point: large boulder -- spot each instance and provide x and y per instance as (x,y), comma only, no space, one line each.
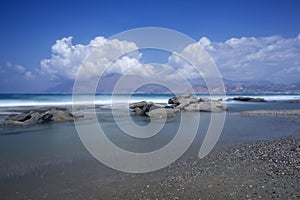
(40,116)
(184,99)
(28,118)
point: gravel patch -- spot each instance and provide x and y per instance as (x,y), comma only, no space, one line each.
(288,114)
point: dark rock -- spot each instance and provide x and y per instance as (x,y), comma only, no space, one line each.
(191,103)
(183,99)
(140,104)
(258,100)
(178,103)
(140,108)
(204,100)
(294,101)
(40,116)
(143,107)
(45,118)
(247,99)
(20,117)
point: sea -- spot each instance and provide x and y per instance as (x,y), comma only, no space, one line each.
(35,149)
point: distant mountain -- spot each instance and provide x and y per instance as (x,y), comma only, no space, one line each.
(65,87)
(107,85)
(246,83)
(270,88)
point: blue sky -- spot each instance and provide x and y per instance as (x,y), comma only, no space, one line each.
(28,29)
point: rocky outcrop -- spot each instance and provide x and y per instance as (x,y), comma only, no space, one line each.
(40,116)
(247,99)
(178,103)
(205,105)
(152,110)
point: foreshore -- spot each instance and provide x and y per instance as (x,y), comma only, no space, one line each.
(256,170)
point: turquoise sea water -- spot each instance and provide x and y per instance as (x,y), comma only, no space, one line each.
(11,100)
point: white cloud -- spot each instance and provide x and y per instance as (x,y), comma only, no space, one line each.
(8,64)
(250,58)
(271,58)
(11,69)
(193,62)
(131,66)
(29,75)
(66,58)
(19,68)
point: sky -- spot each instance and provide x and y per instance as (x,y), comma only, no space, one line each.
(42,43)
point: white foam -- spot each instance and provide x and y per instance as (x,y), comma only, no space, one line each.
(119,100)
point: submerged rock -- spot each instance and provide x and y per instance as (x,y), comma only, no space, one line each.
(162,113)
(247,99)
(213,106)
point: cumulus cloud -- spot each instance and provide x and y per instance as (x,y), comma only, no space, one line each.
(66,58)
(271,58)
